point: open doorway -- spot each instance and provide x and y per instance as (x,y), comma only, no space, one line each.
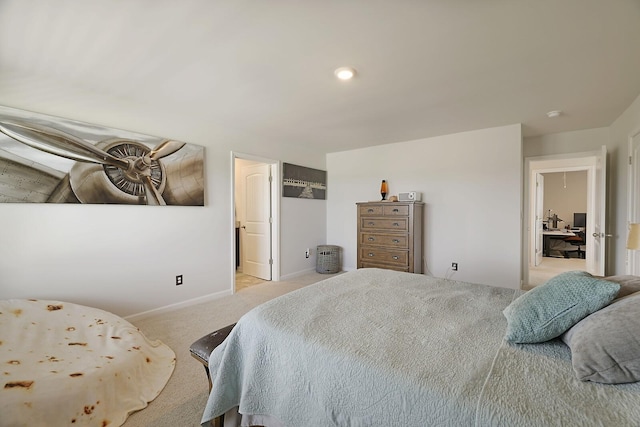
(561,208)
(255,217)
(543,220)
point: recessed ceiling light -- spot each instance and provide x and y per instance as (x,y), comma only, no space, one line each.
(345,73)
(554,114)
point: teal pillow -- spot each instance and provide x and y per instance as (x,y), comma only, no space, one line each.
(547,311)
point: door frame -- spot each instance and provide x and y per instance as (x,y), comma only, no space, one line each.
(538,218)
(557,163)
(275,213)
(632,264)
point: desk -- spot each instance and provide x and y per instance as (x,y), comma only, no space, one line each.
(548,235)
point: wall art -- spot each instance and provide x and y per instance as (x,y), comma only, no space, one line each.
(303,182)
(46,159)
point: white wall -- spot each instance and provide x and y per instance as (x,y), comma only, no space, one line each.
(565,193)
(567,142)
(471,183)
(305,222)
(124,259)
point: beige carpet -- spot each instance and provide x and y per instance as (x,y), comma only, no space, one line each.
(551,267)
(182,401)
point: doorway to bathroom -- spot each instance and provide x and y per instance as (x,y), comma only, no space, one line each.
(255,216)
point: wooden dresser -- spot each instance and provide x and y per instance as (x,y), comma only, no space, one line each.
(390,235)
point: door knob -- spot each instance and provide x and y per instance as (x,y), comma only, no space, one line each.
(602,235)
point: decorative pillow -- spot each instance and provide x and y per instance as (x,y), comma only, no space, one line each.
(548,310)
(628,284)
(605,346)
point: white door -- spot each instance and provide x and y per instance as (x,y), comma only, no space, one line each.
(597,239)
(539,217)
(633,257)
(256,229)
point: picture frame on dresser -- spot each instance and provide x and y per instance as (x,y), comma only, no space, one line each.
(390,235)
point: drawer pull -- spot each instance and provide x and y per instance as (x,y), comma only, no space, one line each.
(395,224)
(369,210)
(370,253)
(396,210)
(372,223)
(371,239)
(396,257)
(396,241)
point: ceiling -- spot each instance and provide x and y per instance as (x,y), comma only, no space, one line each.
(265,68)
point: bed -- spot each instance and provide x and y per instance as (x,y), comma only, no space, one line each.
(68,364)
(377,347)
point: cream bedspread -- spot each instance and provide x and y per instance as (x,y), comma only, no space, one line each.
(375,347)
(67,364)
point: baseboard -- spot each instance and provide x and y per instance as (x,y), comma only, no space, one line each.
(172,307)
(210,297)
(296,274)
(303,272)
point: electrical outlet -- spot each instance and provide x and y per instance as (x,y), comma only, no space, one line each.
(179,280)
(307,253)
(454,266)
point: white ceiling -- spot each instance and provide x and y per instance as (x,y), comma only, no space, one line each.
(265,68)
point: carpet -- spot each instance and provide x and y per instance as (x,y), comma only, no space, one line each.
(182,401)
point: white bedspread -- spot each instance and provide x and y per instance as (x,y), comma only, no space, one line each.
(376,347)
(66,364)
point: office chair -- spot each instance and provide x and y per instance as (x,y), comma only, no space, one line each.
(578,240)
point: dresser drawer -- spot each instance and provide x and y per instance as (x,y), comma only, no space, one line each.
(399,241)
(401,224)
(392,210)
(384,256)
(385,266)
(370,210)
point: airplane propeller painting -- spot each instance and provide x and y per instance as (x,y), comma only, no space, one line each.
(114,169)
